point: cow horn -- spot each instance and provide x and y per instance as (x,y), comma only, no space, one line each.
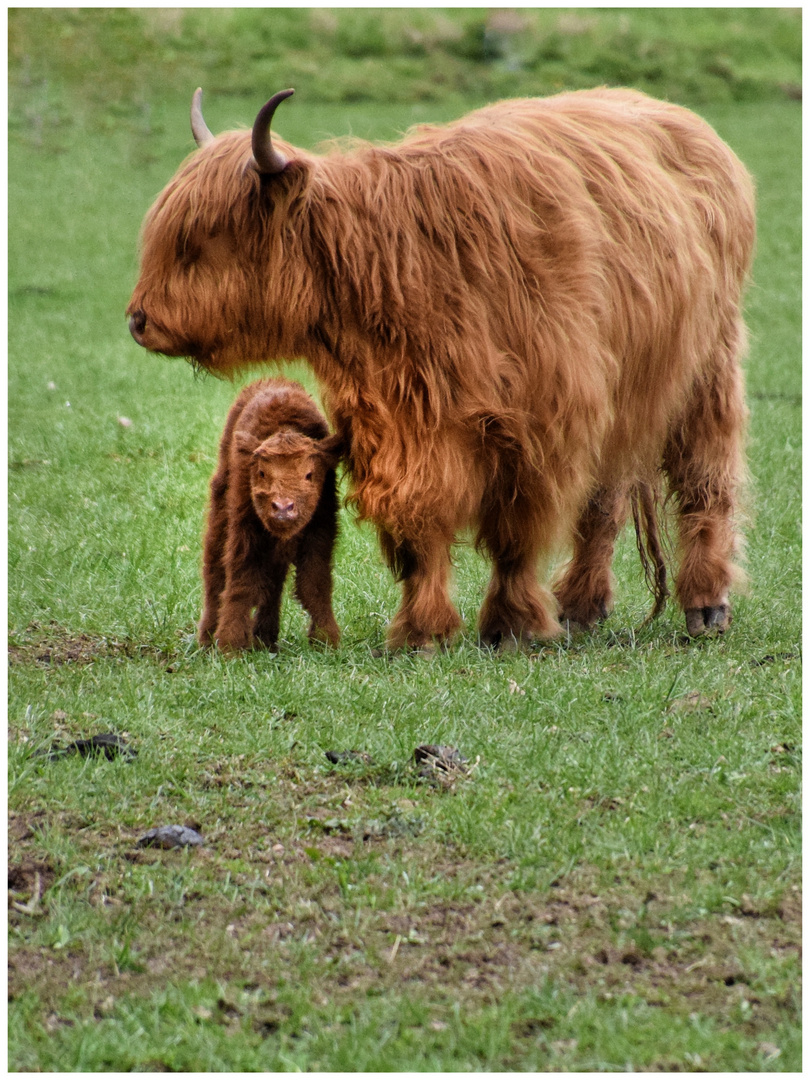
(199,128)
(268,160)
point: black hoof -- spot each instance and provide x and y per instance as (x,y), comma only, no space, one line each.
(708,620)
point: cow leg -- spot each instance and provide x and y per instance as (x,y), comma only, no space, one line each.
(213,567)
(426,616)
(516,609)
(313,586)
(704,461)
(585,593)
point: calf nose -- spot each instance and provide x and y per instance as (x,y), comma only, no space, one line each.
(137,324)
(283,508)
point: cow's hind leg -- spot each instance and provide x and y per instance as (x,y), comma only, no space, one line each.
(585,593)
(426,616)
(704,462)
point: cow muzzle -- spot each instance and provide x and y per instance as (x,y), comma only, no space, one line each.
(137,325)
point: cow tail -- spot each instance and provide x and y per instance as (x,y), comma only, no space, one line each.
(645,502)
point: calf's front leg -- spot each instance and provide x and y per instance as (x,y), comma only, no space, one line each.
(245,588)
(213,568)
(313,585)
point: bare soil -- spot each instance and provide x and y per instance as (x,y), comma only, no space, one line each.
(623,940)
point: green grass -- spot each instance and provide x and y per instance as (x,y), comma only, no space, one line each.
(615,885)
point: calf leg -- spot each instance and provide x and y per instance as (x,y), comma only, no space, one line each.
(585,594)
(426,615)
(213,568)
(246,586)
(268,609)
(313,586)
(704,462)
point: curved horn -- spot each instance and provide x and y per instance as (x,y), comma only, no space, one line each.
(199,128)
(268,160)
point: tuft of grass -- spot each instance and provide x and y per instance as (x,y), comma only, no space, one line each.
(615,882)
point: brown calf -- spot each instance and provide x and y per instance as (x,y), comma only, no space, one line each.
(273,504)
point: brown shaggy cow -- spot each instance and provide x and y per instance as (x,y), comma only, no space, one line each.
(273,505)
(518,319)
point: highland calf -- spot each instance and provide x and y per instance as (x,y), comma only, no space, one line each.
(273,505)
(520,321)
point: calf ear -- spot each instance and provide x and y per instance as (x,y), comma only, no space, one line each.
(332,449)
(244,442)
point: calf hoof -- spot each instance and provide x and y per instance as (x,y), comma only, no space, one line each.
(328,636)
(708,620)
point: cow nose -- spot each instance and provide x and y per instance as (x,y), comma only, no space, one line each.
(137,324)
(283,508)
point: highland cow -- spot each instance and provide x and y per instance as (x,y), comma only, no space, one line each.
(273,505)
(518,320)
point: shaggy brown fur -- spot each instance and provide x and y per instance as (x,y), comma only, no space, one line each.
(517,319)
(273,505)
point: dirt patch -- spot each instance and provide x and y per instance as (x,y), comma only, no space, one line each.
(285,904)
(52,645)
(263,897)
(28,880)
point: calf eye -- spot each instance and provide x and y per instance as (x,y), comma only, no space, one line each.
(261,474)
(308,476)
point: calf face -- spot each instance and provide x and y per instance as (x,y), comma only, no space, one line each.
(287,472)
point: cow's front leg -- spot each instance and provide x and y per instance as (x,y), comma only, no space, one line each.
(426,616)
(517,610)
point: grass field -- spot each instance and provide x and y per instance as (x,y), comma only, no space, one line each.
(615,883)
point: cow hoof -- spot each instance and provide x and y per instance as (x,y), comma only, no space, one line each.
(710,621)
(429,649)
(506,642)
(515,643)
(584,620)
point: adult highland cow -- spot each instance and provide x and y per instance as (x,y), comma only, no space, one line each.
(517,319)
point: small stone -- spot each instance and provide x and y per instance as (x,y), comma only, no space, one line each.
(171,836)
(439,757)
(691,702)
(349,757)
(124,421)
(109,744)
